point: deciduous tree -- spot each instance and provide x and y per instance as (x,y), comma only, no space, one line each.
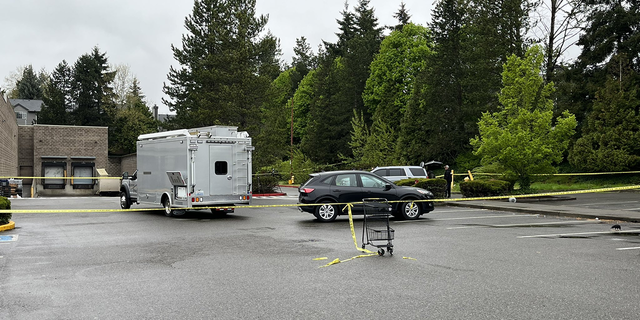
(522,136)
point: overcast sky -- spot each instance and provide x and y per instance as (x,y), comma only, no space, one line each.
(139,33)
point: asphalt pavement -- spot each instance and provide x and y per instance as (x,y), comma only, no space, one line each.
(620,206)
(617,205)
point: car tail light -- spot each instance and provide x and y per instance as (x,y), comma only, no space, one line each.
(307,190)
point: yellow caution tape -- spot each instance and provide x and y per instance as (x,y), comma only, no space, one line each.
(348,206)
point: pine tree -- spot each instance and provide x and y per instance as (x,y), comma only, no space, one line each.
(129,122)
(403,17)
(94,97)
(611,137)
(58,97)
(226,66)
(29,87)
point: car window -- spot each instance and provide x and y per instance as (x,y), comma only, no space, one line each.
(346,180)
(418,172)
(326,180)
(371,181)
(396,172)
(381,172)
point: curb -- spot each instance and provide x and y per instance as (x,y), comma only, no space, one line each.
(9,226)
(612,215)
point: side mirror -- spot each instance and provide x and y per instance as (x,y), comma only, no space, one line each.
(387,187)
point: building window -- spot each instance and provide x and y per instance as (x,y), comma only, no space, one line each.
(51,171)
(21,115)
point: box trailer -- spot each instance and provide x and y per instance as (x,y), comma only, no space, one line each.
(190,168)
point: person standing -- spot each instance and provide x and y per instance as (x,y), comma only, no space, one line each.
(449,178)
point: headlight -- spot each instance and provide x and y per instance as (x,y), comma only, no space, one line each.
(426,192)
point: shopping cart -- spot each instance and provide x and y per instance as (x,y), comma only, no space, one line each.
(375,229)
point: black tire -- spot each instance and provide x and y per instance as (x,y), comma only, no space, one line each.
(167,207)
(326,212)
(410,210)
(125,202)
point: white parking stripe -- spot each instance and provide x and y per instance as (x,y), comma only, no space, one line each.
(522,224)
(601,203)
(629,248)
(578,233)
(482,217)
(463,210)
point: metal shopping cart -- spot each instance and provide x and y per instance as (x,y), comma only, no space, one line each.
(375,229)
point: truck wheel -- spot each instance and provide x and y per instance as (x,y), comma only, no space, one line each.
(125,203)
(167,207)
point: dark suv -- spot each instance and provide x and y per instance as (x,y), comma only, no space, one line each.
(353,186)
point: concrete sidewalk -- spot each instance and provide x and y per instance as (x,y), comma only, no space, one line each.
(620,206)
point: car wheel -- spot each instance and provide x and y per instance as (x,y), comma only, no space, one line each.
(410,210)
(124,200)
(167,207)
(326,212)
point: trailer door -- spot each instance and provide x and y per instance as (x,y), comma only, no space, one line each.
(221,180)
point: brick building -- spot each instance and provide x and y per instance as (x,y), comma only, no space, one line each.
(61,151)
(8,139)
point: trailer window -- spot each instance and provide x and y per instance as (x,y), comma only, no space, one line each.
(220,167)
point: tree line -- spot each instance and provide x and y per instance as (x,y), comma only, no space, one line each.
(485,83)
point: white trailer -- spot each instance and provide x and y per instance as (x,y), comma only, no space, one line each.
(190,168)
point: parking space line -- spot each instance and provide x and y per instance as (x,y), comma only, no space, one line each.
(629,248)
(482,217)
(578,233)
(462,210)
(600,203)
(522,224)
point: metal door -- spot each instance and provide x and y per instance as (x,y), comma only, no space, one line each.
(221,164)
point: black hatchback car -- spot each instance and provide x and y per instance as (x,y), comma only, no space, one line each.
(353,186)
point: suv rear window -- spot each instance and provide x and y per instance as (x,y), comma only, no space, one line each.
(418,172)
(381,172)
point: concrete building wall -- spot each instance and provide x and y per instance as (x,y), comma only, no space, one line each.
(8,140)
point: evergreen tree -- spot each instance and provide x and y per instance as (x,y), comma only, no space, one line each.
(226,66)
(94,97)
(58,98)
(273,139)
(402,57)
(610,37)
(326,139)
(403,16)
(29,87)
(129,122)
(611,137)
(304,60)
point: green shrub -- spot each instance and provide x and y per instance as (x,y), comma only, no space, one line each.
(265,183)
(484,188)
(436,186)
(406,182)
(5,204)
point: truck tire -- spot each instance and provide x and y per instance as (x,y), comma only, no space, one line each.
(167,207)
(125,202)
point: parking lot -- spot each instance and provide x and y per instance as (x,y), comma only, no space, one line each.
(453,263)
